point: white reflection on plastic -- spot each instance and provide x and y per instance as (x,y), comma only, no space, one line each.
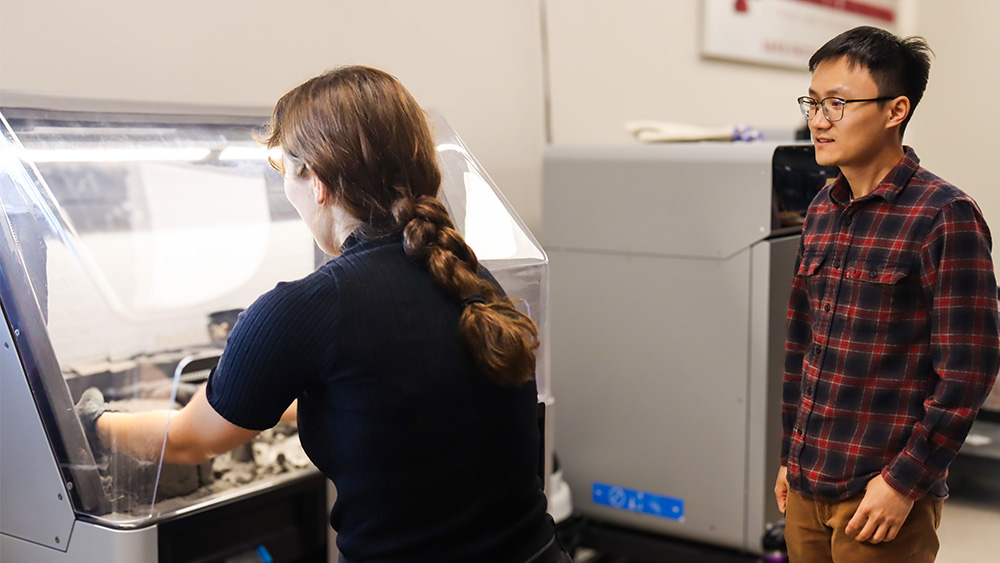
(116,155)
(248,153)
(477,208)
(192,252)
(488,228)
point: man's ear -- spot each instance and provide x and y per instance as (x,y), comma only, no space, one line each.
(899,109)
(319,190)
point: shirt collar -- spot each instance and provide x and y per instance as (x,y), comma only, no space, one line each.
(352,240)
(890,186)
(358,240)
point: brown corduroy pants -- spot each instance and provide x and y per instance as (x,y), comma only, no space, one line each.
(814,532)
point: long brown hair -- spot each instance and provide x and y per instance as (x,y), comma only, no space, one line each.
(366,139)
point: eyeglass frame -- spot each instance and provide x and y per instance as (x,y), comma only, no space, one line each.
(822,104)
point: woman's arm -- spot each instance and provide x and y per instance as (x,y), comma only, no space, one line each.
(291,414)
(196,433)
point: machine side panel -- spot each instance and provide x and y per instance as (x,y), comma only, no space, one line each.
(35,505)
(663,193)
(90,544)
(773,261)
(649,363)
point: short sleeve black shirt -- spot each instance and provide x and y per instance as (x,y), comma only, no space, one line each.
(432,461)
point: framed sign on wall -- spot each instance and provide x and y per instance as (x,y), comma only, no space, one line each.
(785,32)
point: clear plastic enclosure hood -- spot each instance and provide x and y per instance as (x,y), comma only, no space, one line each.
(130,241)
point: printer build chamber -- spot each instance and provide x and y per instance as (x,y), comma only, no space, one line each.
(129,243)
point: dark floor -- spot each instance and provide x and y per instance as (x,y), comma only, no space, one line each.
(586,555)
(611,544)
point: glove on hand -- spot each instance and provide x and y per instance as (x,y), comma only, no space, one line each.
(89,408)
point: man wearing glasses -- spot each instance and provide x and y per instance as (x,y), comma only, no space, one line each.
(892,342)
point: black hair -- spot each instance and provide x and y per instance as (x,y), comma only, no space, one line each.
(899,66)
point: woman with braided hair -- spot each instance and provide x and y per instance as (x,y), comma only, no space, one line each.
(411,372)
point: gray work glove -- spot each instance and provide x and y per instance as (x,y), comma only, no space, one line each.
(89,408)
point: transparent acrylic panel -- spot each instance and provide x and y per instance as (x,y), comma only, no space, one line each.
(493,229)
(26,226)
(137,238)
(155,231)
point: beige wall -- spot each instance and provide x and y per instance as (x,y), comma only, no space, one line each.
(952,128)
(478,62)
(613,62)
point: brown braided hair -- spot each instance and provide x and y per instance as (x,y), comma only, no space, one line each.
(366,139)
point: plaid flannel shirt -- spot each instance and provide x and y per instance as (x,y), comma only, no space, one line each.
(892,341)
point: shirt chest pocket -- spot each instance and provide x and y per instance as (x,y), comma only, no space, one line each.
(815,273)
(882,295)
(881,273)
(811,264)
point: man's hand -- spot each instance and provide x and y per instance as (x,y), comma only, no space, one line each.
(781,488)
(881,513)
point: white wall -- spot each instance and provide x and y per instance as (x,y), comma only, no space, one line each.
(478,62)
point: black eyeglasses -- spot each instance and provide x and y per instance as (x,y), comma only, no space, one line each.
(833,108)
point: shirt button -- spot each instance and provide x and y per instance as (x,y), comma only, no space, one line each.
(827,308)
(873,274)
(836,264)
(798,431)
(816,350)
(847,221)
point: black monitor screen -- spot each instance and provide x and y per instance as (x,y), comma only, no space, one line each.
(795,181)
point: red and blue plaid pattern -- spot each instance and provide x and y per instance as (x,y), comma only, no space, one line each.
(893,340)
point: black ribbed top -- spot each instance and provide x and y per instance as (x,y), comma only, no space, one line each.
(432,462)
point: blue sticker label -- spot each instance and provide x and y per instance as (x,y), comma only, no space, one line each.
(264,554)
(638,501)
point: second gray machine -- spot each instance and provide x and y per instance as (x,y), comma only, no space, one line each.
(671,267)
